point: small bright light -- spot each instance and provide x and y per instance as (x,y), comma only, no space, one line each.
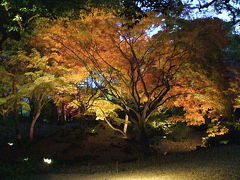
(26,159)
(10,144)
(164,137)
(47,160)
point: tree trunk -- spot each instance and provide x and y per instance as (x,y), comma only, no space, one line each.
(15,111)
(115,129)
(143,137)
(31,133)
(32,109)
(64,118)
(125,124)
(21,113)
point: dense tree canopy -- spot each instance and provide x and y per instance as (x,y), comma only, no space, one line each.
(142,74)
(105,61)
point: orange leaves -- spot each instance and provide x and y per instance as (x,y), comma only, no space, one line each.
(139,72)
(49,40)
(217,129)
(202,77)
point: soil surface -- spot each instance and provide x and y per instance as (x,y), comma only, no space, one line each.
(72,143)
(218,163)
(96,153)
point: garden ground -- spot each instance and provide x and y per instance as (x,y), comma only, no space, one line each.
(103,155)
(218,163)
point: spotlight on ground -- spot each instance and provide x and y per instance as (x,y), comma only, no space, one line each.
(25,159)
(47,160)
(10,144)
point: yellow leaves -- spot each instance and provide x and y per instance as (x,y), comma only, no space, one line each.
(237,102)
(39,79)
(44,79)
(217,130)
(4,100)
(193,118)
(34,60)
(104,109)
(77,77)
(144,98)
(74,104)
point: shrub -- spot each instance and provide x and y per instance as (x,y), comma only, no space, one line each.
(179,131)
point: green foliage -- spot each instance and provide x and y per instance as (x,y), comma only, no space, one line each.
(17,16)
(180,131)
(38,79)
(160,126)
(173,130)
(160,119)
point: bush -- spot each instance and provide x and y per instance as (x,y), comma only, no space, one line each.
(159,126)
(232,137)
(179,131)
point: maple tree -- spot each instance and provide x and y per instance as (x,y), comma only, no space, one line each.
(16,23)
(39,85)
(208,75)
(33,86)
(12,71)
(128,70)
(138,73)
(75,104)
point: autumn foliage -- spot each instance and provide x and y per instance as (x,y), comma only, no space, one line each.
(96,64)
(140,74)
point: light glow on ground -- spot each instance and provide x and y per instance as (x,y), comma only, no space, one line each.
(47,160)
(10,144)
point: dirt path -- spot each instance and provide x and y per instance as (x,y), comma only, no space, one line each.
(221,163)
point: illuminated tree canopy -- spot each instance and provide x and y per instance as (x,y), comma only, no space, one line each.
(142,74)
(100,58)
